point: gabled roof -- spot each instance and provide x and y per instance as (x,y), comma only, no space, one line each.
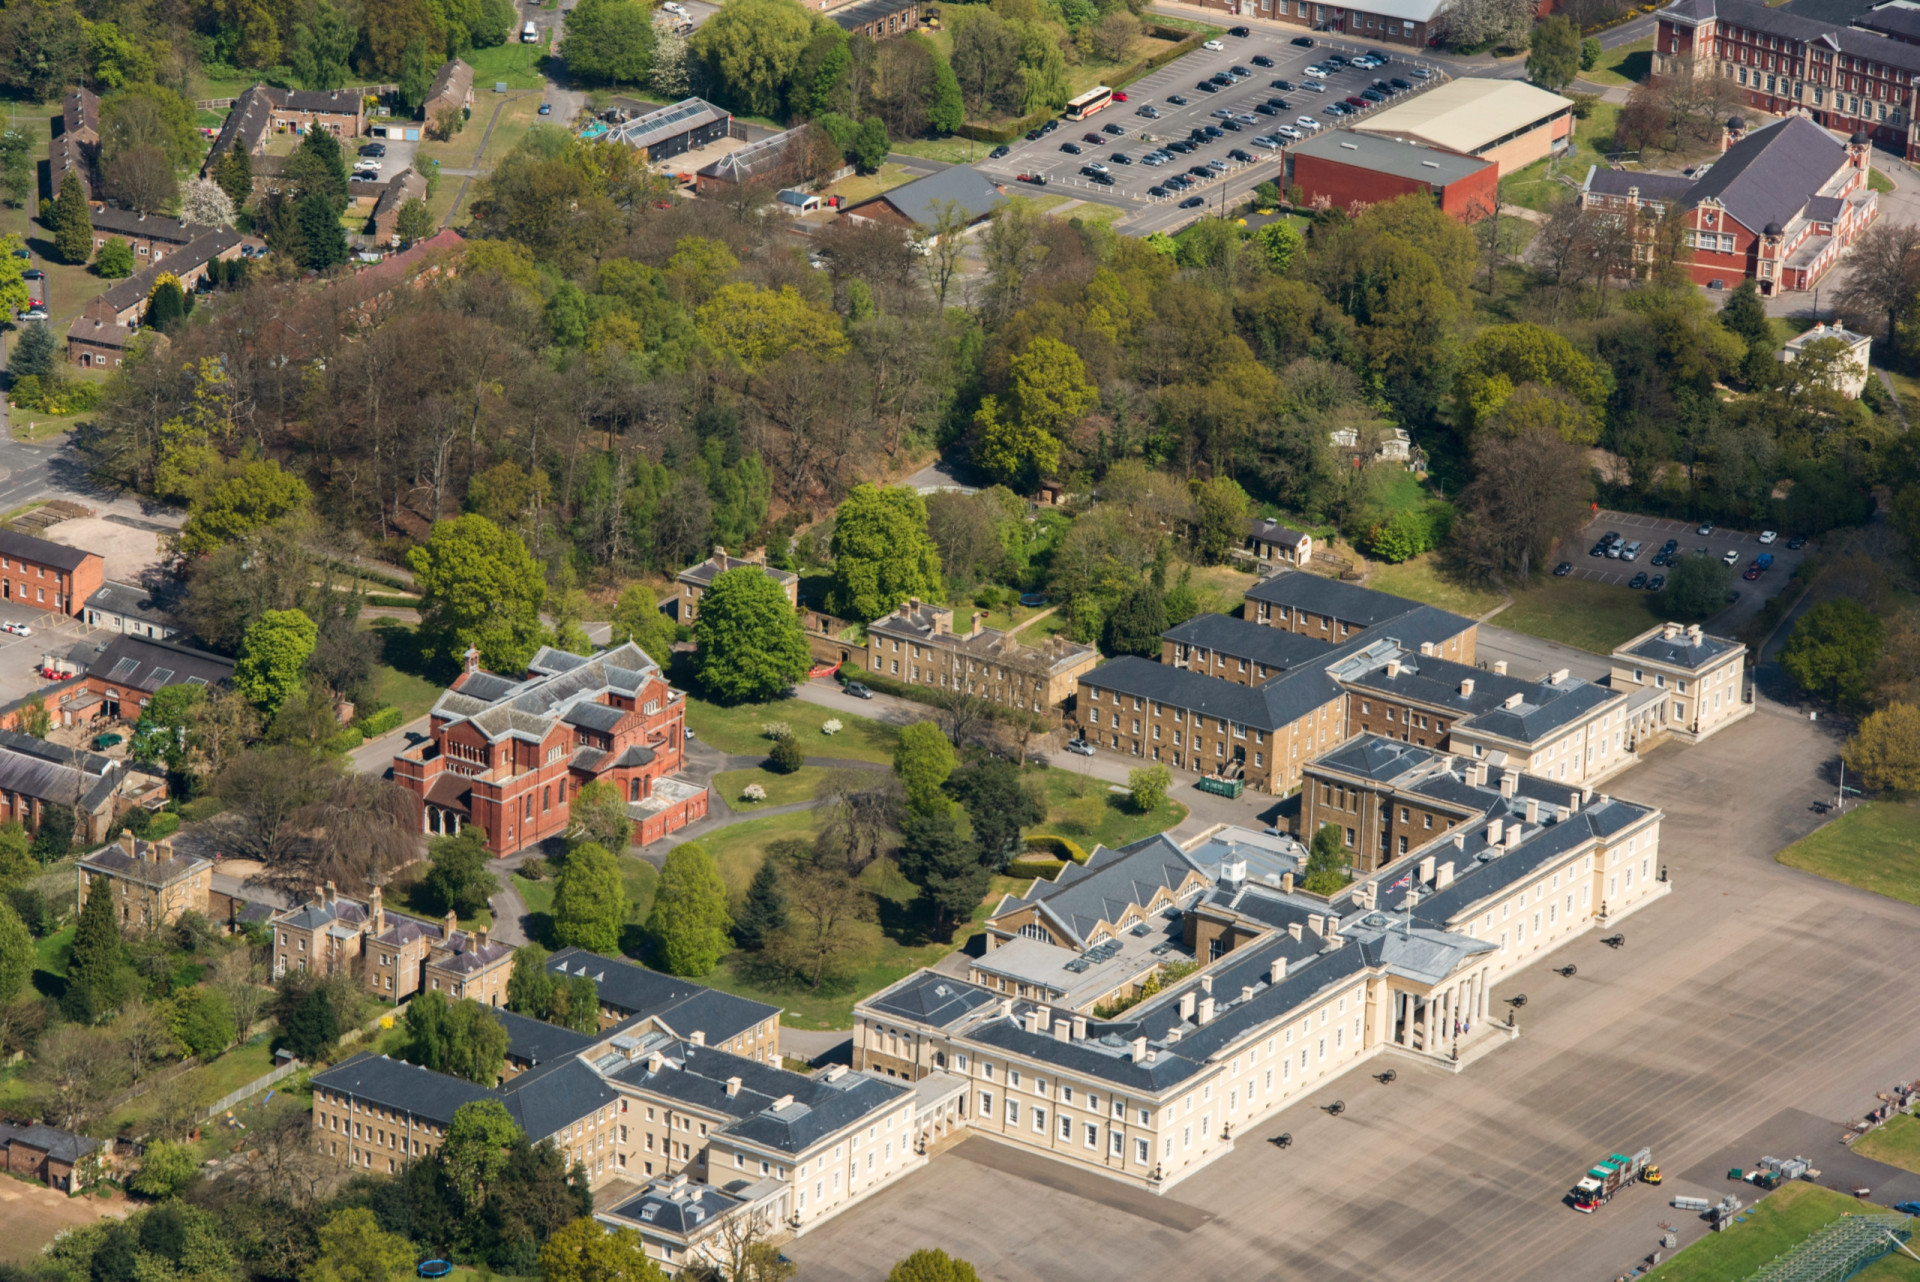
(61,1146)
(1784,23)
(59,556)
(1273,532)
(563,686)
(405,1087)
(1767,177)
(679,1207)
(931,998)
(143,663)
(555,1096)
(682,1005)
(771,1107)
(964,185)
(1319,595)
(129,600)
(1110,882)
(1277,648)
(133,224)
(1622,182)
(668,122)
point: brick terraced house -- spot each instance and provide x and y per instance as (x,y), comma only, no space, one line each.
(151,886)
(917,644)
(509,754)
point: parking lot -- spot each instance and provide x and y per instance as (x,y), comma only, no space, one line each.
(1652,533)
(1141,135)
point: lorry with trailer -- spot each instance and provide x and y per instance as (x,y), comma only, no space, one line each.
(1610,1176)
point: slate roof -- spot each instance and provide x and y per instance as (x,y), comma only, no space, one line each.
(1278,703)
(133,291)
(454,83)
(80,112)
(1680,651)
(61,1146)
(1768,176)
(1273,532)
(697,1077)
(1621,182)
(1477,879)
(129,600)
(114,859)
(246,125)
(855,16)
(930,998)
(561,685)
(1544,707)
(535,1041)
(143,663)
(710,569)
(1111,881)
(1765,20)
(1899,20)
(1348,602)
(680,1212)
(405,1087)
(964,185)
(682,1005)
(129,223)
(1277,648)
(24,547)
(555,1095)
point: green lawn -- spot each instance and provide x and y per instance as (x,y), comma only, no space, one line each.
(1626,65)
(228,1073)
(953,150)
(1891,1268)
(736,729)
(1082,810)
(1422,579)
(1878,181)
(538,894)
(51,953)
(517,64)
(1536,186)
(411,897)
(1578,612)
(1776,1223)
(400,678)
(1897,1143)
(1090,211)
(1875,846)
(782,790)
(831,1005)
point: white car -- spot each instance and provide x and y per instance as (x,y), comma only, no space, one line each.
(671,7)
(1316,70)
(1768,536)
(1080,747)
(1288,131)
(1307,123)
(1213,45)
(1313,86)
(1266,142)
(17,629)
(1731,557)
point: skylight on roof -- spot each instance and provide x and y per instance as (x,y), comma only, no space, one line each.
(124,669)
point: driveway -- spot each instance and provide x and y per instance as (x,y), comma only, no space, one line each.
(1750,999)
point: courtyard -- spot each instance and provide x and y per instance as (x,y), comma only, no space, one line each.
(1756,1004)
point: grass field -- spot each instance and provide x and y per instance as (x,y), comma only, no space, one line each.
(226,1074)
(1421,579)
(782,790)
(1897,1143)
(736,729)
(953,151)
(1878,181)
(511,115)
(866,186)
(1083,810)
(517,64)
(1777,1223)
(1875,846)
(1536,186)
(1629,64)
(399,679)
(1088,211)
(412,897)
(1578,612)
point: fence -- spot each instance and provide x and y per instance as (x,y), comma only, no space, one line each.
(252,1088)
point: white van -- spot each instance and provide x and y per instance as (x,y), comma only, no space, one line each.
(529,34)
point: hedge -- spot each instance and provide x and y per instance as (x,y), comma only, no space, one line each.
(1044,869)
(393,602)
(1058,847)
(164,824)
(1185,42)
(346,741)
(371,576)
(377,723)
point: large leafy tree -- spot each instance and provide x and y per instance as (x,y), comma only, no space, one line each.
(1502,357)
(752,48)
(598,814)
(1832,651)
(999,804)
(637,618)
(354,1248)
(882,553)
(273,658)
(1135,625)
(481,588)
(932,1265)
(1325,870)
(1884,752)
(610,41)
(586,1251)
(1696,587)
(750,639)
(260,494)
(590,903)
(457,880)
(923,758)
(689,925)
(944,865)
(756,326)
(460,1038)
(1553,58)
(1528,492)
(478,1145)
(17,956)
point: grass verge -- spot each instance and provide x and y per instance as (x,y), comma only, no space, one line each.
(1538,186)
(736,729)
(1627,65)
(1422,579)
(1081,808)
(1778,1223)
(1578,612)
(1875,846)
(782,790)
(1897,1143)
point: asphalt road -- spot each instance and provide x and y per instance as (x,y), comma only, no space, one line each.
(1748,1001)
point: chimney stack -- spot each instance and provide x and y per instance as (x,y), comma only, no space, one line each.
(1187,1004)
(1286,883)
(1246,992)
(1494,829)
(448,926)
(1509,780)
(1277,971)
(1500,667)
(472,656)
(1206,1010)
(1062,1030)
(1079,1028)
(1459,841)
(1032,1021)
(655,1061)
(333,892)
(1293,928)
(377,909)
(1043,1018)
(1559,677)
(1443,876)
(1531,809)
(733,1087)
(1139,1050)
(130,845)
(699,1037)
(1206,984)
(1314,924)
(1393,668)
(1426,869)
(1466,687)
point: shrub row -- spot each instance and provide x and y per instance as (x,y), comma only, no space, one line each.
(378,723)
(1044,869)
(393,602)
(346,741)
(1058,847)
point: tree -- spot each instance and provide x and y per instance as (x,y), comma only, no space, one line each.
(482,589)
(323,241)
(946,868)
(1220,509)
(764,912)
(932,1265)
(478,1145)
(1884,752)
(234,173)
(35,351)
(115,260)
(599,814)
(590,903)
(417,64)
(203,1022)
(165,1169)
(313,1027)
(999,804)
(273,657)
(671,74)
(530,986)
(16,167)
(829,927)
(54,838)
(98,976)
(236,977)
(1325,870)
(610,41)
(1554,58)
(1832,650)
(882,554)
(689,925)
(17,955)
(1696,587)
(259,495)
(751,644)
(415,220)
(1050,387)
(786,755)
(1590,53)
(74,1071)
(751,49)
(458,881)
(756,326)
(586,1251)
(1529,491)
(166,304)
(72,222)
(637,618)
(923,758)
(1501,358)
(322,47)
(1279,244)
(1012,452)
(870,145)
(1745,315)
(1148,787)
(205,202)
(459,1038)
(354,1248)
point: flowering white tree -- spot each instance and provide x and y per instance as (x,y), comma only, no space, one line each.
(753,792)
(672,72)
(833,726)
(203,202)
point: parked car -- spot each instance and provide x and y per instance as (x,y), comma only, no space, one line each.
(1305,42)
(1213,46)
(374,149)
(1105,180)
(1071,148)
(1731,557)
(1316,71)
(1148,111)
(33,273)
(1049,127)
(1266,109)
(858,689)
(1598,549)
(1177,100)
(1120,158)
(1638,581)
(1158,193)
(1242,32)
(1267,143)
(1753,572)
(16,629)
(1421,73)
(1307,123)
(1239,72)
(1092,168)
(1657,583)
(998,152)
(1768,536)
(1032,134)
(1338,109)
(1080,747)
(1092,137)
(1207,86)
(1261,60)
(1038,180)
(1402,85)
(1563,569)
(1119,96)
(1314,86)
(1192,202)
(546,109)
(1245,158)
(1288,131)
(1230,126)
(1114,131)
(1797,542)
(1631,552)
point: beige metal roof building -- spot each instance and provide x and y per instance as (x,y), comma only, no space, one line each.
(1505,121)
